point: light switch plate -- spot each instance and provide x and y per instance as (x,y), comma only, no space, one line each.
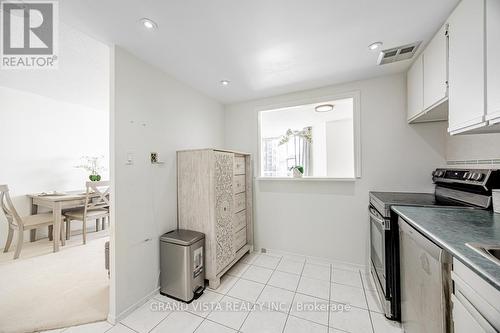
(130,159)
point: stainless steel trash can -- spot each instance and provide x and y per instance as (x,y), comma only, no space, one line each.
(182,264)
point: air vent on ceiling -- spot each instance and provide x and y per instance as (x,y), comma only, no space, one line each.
(397,53)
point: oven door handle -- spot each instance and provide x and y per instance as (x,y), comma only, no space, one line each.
(380,220)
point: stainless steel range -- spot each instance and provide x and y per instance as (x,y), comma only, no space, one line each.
(464,188)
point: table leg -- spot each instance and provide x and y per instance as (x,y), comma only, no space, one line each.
(34,210)
(57,212)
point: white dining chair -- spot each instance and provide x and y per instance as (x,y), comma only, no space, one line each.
(18,223)
(96,206)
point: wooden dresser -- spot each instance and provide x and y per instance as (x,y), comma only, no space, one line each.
(214,196)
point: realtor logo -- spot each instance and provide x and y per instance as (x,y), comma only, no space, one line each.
(29,34)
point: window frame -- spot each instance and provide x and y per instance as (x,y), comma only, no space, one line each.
(355,95)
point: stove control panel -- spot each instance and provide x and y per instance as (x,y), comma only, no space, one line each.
(467,176)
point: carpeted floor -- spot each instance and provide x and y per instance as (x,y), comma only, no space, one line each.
(44,290)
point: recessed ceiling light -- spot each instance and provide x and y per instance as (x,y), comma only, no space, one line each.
(224,82)
(149,24)
(374,46)
(324,108)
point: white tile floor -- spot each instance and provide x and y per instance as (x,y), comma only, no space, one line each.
(266,293)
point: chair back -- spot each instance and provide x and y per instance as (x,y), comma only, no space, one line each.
(8,208)
(97,195)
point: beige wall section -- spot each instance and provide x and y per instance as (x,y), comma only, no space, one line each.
(152,113)
(330,219)
(473,147)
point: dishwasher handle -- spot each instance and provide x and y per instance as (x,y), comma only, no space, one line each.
(375,216)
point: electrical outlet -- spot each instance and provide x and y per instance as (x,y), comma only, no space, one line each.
(154,158)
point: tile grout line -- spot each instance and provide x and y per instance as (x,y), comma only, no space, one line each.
(265,285)
(120,323)
(168,314)
(330,297)
(226,294)
(366,300)
(294,294)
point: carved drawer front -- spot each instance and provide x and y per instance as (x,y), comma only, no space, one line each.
(239,165)
(239,184)
(240,239)
(239,202)
(240,220)
(224,209)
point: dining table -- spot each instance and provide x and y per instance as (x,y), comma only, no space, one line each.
(57,202)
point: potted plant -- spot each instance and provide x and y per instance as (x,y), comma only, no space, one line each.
(92,164)
(297,171)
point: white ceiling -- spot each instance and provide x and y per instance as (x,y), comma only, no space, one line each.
(82,76)
(264,47)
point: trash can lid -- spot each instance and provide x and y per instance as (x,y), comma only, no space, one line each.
(182,237)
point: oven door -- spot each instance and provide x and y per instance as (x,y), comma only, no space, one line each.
(379,229)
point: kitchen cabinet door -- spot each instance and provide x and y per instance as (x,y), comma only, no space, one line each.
(436,70)
(466,67)
(463,320)
(415,88)
(493,60)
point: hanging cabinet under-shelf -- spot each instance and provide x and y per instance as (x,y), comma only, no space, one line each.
(493,61)
(427,82)
(457,76)
(214,194)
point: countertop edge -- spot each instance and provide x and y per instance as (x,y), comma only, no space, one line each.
(457,255)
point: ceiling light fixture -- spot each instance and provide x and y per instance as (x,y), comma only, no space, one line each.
(149,24)
(224,82)
(324,108)
(374,46)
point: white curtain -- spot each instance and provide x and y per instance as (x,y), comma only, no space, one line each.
(302,150)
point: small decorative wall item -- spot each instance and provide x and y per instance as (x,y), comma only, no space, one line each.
(92,164)
(297,171)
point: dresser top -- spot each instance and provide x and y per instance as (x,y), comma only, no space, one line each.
(215,149)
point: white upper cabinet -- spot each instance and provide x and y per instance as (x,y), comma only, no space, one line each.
(467,67)
(415,86)
(436,69)
(427,82)
(493,60)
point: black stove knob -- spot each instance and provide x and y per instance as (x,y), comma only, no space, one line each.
(466,175)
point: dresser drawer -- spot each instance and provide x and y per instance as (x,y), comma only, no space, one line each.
(239,184)
(239,165)
(239,202)
(240,239)
(240,220)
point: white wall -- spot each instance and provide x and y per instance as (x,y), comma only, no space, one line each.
(473,147)
(152,113)
(340,148)
(50,118)
(329,219)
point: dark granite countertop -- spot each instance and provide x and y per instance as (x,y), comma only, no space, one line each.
(451,228)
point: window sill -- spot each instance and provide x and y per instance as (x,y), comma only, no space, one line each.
(306,179)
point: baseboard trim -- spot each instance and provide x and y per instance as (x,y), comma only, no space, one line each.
(114,320)
(339,263)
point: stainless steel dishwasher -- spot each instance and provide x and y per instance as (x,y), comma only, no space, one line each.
(425,271)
